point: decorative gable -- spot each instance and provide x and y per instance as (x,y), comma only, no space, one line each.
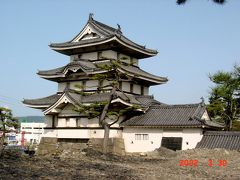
(57,107)
(88,32)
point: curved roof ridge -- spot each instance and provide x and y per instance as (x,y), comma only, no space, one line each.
(55,70)
(130,42)
(141,72)
(104,27)
(85,64)
(48,100)
(169,106)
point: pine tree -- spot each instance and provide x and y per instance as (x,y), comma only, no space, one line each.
(107,114)
(6,120)
(225,96)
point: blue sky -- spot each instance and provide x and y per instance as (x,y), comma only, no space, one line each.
(193,40)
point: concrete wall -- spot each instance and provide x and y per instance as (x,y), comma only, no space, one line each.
(132,144)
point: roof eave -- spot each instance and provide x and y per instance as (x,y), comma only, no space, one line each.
(36,106)
(67,49)
(163,126)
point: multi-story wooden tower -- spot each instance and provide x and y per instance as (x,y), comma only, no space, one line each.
(96,44)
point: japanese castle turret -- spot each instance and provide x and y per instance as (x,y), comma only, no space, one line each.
(144,130)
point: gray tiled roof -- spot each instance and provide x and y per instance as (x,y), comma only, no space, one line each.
(104,97)
(148,100)
(220,139)
(49,100)
(139,72)
(89,67)
(143,101)
(84,64)
(83,42)
(108,32)
(188,115)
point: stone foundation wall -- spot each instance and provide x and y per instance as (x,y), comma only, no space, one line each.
(115,145)
(53,146)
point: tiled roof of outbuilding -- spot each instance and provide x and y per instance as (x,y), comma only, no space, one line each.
(220,139)
(187,115)
(148,100)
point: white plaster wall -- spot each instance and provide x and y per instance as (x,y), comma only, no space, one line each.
(73,133)
(72,122)
(91,85)
(135,61)
(172,133)
(146,90)
(136,89)
(73,57)
(50,133)
(105,83)
(99,133)
(91,56)
(191,137)
(74,83)
(82,122)
(61,86)
(68,110)
(109,54)
(126,86)
(132,145)
(126,58)
(205,116)
(93,122)
(61,122)
(48,121)
(81,133)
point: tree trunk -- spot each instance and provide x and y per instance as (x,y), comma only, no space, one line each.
(102,120)
(1,145)
(105,109)
(2,138)
(230,124)
(106,137)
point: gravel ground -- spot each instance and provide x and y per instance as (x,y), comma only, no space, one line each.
(90,164)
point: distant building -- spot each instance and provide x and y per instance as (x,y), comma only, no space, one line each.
(30,133)
(155,124)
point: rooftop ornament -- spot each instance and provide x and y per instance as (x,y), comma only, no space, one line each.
(91,16)
(203,101)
